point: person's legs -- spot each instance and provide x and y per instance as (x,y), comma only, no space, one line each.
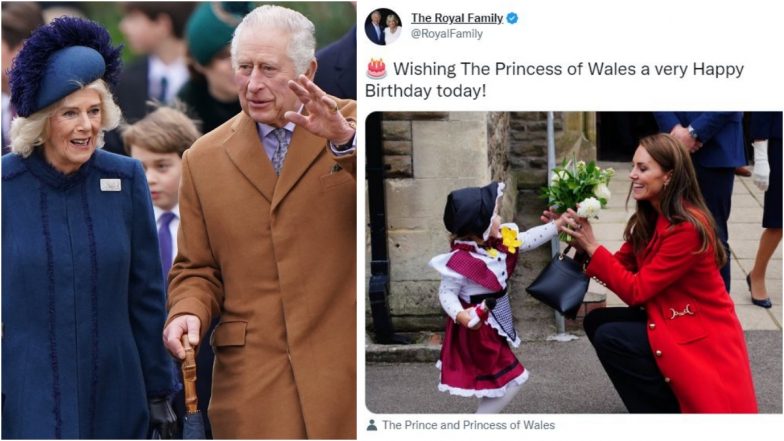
(716,186)
(621,343)
(497,404)
(768,242)
(600,316)
(771,222)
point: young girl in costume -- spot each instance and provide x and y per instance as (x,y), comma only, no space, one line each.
(476,358)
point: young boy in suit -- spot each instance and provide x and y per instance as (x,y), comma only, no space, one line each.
(155,31)
(158,140)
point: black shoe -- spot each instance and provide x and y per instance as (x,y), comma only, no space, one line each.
(764,303)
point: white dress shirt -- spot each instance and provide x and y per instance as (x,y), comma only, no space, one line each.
(176,75)
(270,143)
(377,29)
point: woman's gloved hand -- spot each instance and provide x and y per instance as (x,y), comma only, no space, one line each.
(163,421)
(761,174)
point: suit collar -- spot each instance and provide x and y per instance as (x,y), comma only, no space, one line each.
(247,153)
(305,147)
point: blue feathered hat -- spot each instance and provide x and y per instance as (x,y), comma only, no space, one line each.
(58,59)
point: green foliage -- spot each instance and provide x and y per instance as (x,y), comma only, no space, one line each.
(573,182)
(332,20)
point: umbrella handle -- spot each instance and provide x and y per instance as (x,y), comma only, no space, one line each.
(189,376)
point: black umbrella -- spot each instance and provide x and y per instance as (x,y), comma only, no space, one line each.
(193,426)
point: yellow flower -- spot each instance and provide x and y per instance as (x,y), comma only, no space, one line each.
(492,252)
(510,239)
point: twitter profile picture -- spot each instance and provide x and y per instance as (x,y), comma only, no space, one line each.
(383,26)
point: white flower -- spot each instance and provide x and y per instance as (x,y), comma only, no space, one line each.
(610,172)
(589,207)
(601,191)
(558,175)
(581,165)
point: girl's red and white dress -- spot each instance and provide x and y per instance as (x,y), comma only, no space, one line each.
(480,362)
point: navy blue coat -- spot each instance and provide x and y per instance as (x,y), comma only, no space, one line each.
(370,31)
(337,67)
(765,125)
(83,300)
(720,132)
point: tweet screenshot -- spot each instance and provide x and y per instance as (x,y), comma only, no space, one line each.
(391,220)
(572,219)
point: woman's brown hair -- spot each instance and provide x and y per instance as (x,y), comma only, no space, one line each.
(680,200)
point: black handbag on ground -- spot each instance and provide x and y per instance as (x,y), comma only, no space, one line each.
(562,284)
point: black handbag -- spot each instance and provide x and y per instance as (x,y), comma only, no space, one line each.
(562,284)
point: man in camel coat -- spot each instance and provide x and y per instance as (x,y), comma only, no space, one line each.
(267,243)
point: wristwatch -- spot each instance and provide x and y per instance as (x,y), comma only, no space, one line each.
(350,142)
(693,133)
(347,145)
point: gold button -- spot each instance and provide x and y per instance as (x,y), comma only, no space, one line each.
(666,379)
(658,353)
(652,325)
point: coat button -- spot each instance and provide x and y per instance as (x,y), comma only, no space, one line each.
(652,325)
(658,353)
(666,379)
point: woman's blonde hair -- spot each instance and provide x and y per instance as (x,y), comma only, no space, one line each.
(32,131)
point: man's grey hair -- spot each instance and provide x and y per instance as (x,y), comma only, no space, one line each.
(301,31)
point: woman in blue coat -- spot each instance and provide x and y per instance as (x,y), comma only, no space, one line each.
(82,296)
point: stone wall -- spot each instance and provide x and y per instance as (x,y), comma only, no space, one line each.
(429,154)
(528,158)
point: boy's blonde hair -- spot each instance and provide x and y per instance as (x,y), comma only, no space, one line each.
(165,130)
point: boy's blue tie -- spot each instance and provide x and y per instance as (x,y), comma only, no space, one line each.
(165,243)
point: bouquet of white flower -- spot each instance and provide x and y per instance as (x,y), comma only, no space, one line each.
(579,186)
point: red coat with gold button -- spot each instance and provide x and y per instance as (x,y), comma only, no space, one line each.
(694,333)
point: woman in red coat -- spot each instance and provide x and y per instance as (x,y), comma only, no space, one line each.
(679,346)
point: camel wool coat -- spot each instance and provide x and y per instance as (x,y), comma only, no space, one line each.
(275,258)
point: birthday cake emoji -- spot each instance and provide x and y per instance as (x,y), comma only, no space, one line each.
(377,69)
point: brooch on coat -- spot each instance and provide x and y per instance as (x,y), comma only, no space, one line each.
(686,311)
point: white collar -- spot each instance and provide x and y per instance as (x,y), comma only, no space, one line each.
(265,129)
(158,212)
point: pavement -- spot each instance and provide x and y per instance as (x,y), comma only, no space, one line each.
(566,376)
